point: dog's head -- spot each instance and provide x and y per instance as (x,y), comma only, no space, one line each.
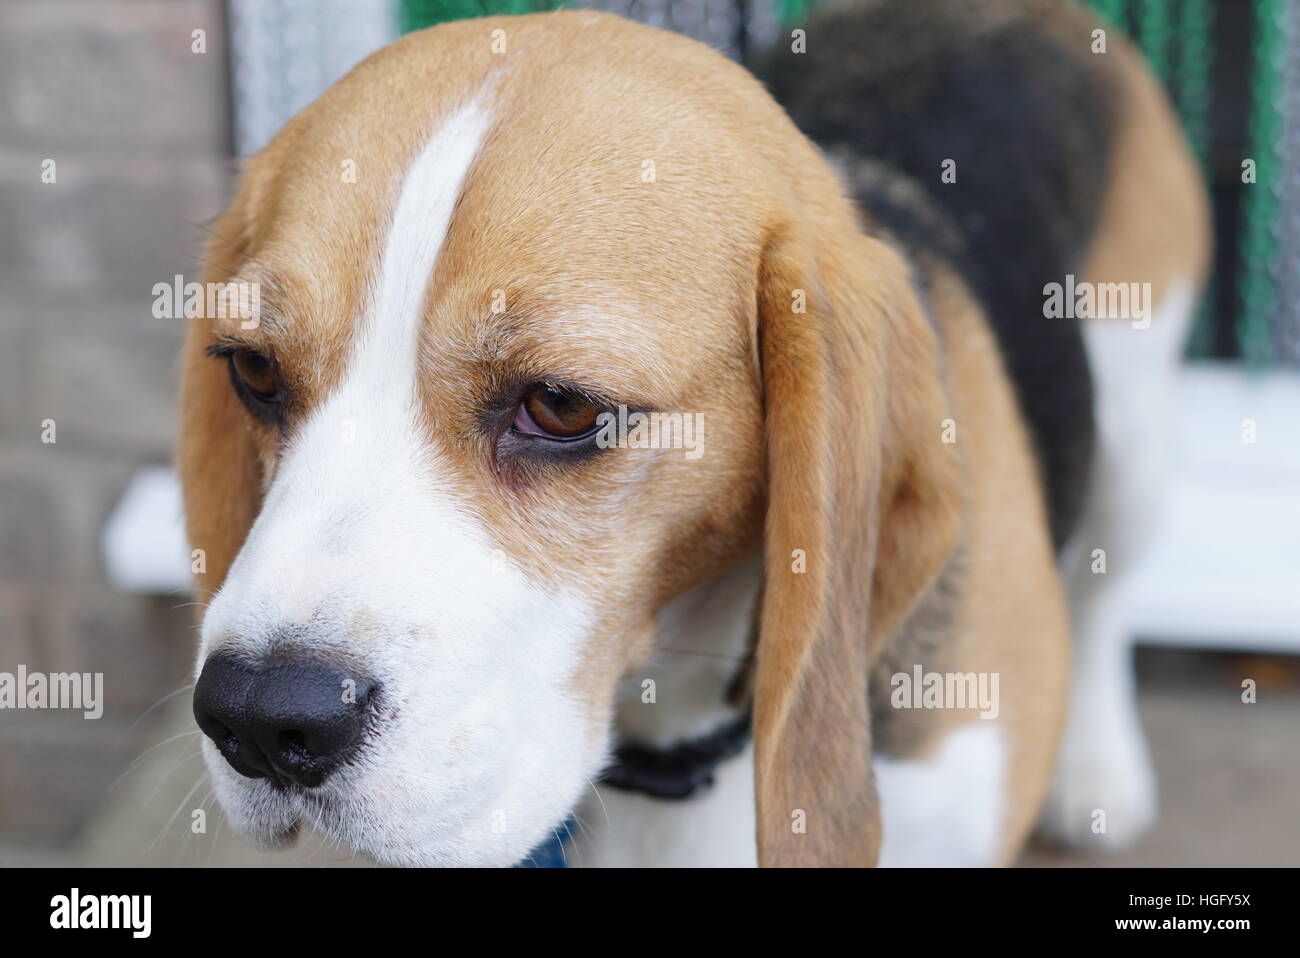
(433,555)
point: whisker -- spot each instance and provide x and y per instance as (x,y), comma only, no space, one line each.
(169,695)
(136,761)
(241,250)
(192,588)
(712,655)
(609,828)
(166,828)
(221,821)
(168,774)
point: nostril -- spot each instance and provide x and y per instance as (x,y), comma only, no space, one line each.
(293,742)
(226,740)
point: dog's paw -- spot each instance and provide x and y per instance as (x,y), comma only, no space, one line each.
(1104,795)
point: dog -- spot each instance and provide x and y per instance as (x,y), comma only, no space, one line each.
(456,618)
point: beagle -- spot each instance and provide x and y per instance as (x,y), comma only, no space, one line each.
(449,614)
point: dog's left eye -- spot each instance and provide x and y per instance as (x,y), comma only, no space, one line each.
(255,378)
(256,373)
(554,413)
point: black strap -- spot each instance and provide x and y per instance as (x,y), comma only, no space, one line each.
(679,770)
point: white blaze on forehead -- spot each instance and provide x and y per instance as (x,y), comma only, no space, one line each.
(416,234)
(357,480)
(360,519)
(362,535)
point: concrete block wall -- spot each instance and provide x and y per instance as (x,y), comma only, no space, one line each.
(135,120)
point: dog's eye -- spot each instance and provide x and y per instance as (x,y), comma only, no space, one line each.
(555,414)
(256,373)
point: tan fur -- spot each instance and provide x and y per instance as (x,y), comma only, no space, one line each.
(1010,618)
(862,488)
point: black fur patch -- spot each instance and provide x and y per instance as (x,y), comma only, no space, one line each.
(1029,119)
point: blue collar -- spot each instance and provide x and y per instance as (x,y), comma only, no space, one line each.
(550,853)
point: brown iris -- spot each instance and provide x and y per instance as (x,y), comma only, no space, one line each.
(256,372)
(555,413)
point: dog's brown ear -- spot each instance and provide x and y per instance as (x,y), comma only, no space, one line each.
(864,507)
(216,454)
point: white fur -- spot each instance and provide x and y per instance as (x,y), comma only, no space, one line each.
(713,829)
(364,553)
(1105,765)
(945,810)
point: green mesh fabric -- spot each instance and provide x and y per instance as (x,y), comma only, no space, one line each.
(417,14)
(1193,95)
(1175,36)
(793,11)
(1155,34)
(1192,70)
(1111,10)
(1262,201)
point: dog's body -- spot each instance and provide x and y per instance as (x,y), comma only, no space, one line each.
(1066,161)
(871,501)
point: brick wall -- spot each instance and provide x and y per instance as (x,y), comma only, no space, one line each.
(136,124)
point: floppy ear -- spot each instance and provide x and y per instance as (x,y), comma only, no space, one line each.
(216,455)
(864,507)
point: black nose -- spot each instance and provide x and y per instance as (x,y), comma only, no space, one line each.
(292,721)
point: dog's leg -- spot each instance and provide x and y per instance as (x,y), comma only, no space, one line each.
(1104,794)
(1104,791)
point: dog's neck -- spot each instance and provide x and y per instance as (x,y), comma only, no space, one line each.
(701,647)
(681,789)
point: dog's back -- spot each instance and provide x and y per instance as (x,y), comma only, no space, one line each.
(987,134)
(1026,144)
